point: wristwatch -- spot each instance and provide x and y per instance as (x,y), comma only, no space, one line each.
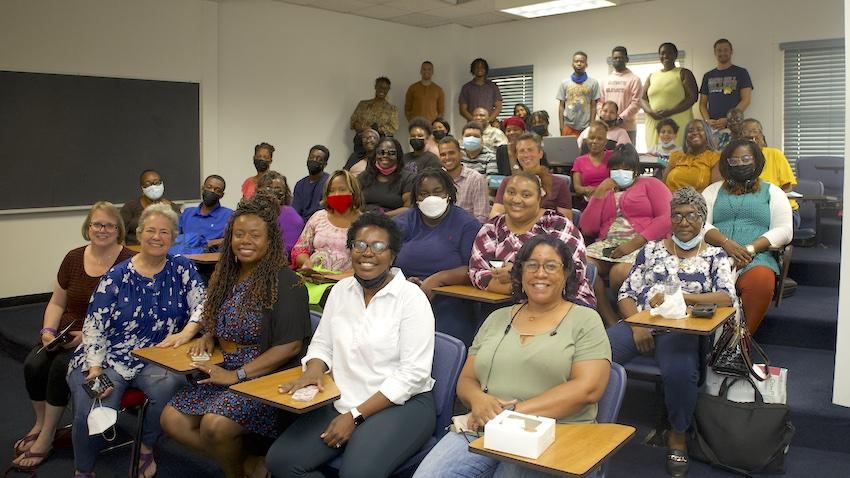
(751,250)
(241,374)
(358,417)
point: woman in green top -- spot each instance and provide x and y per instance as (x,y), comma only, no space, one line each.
(544,356)
(746,217)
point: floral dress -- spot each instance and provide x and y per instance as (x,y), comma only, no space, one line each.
(218,399)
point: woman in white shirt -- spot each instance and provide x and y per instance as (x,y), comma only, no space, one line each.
(377,336)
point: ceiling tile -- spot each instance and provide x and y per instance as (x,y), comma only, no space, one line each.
(421,20)
(381,12)
(418,5)
(481,19)
(344,6)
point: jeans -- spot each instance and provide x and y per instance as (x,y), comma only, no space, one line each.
(451,458)
(158,384)
(678,358)
(376,448)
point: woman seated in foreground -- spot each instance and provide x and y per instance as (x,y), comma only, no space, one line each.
(45,369)
(704,274)
(257,311)
(377,338)
(152,299)
(499,240)
(543,356)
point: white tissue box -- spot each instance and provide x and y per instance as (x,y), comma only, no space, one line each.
(519,434)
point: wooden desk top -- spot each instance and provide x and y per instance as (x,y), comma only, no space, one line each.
(688,325)
(472,293)
(174,359)
(578,448)
(205,258)
(264,389)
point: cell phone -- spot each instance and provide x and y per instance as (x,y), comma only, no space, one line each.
(608,250)
(497,264)
(703,311)
(95,387)
(193,378)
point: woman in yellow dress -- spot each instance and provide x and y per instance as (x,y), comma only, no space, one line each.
(669,93)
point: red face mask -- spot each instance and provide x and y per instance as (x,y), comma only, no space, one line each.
(340,202)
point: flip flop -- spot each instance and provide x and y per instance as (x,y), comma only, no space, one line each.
(23,441)
(30,468)
(145,461)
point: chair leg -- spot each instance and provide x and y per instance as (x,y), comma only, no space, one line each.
(137,442)
(657,437)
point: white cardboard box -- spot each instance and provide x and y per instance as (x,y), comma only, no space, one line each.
(519,434)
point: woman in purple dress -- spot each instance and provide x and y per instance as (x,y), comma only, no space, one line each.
(257,311)
(290,222)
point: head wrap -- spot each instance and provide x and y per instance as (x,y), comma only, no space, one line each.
(690,197)
(515,121)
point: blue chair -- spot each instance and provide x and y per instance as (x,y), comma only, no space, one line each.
(315,317)
(806,234)
(449,356)
(576,216)
(609,405)
(591,273)
(827,169)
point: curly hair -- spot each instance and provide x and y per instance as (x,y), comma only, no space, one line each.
(564,251)
(688,196)
(266,182)
(440,175)
(726,170)
(261,291)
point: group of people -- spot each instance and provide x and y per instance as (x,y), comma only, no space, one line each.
(407,223)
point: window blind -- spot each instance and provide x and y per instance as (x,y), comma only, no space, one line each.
(517,86)
(813,99)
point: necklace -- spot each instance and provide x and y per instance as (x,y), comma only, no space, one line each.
(679,259)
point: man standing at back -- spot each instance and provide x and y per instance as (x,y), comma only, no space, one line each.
(424,98)
(480,92)
(577,98)
(726,87)
(624,88)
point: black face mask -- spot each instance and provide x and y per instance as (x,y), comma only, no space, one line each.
(261,166)
(438,135)
(370,284)
(210,198)
(417,144)
(314,167)
(743,174)
(540,129)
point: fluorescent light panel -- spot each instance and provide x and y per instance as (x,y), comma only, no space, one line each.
(557,7)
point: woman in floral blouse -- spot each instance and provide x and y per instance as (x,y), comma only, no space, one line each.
(152,299)
(704,274)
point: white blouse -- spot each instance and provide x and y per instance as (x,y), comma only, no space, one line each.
(781,224)
(387,347)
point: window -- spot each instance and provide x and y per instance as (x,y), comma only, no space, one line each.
(813,99)
(517,86)
(643,65)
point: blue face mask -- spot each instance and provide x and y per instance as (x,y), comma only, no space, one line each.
(687,245)
(471,143)
(623,177)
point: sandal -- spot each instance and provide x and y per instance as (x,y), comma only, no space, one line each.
(677,463)
(30,468)
(23,441)
(145,461)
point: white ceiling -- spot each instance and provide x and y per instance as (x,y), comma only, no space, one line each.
(422,13)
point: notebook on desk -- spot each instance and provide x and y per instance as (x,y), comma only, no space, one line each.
(561,150)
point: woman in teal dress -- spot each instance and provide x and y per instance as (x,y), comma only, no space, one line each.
(747,217)
(257,311)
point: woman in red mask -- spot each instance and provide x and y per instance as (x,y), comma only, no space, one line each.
(322,245)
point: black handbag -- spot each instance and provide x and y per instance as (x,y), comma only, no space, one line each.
(742,438)
(733,352)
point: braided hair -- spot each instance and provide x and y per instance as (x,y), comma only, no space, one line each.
(261,291)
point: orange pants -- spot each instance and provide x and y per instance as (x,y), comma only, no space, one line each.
(568,131)
(756,287)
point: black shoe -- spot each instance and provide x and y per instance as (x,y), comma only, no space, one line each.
(677,463)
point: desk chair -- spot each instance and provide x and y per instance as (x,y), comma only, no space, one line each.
(576,217)
(133,398)
(609,405)
(785,287)
(827,169)
(806,234)
(315,317)
(449,356)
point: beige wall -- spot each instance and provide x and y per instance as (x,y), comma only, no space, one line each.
(291,75)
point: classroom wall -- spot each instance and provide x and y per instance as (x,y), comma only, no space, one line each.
(156,39)
(755,28)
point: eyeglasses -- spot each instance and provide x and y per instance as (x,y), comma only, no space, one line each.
(99,226)
(387,152)
(376,247)
(549,267)
(155,182)
(691,217)
(739,160)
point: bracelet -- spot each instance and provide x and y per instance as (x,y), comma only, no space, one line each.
(50,330)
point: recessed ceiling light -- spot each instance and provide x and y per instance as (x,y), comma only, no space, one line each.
(555,7)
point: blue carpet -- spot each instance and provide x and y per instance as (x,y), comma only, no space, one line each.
(816,266)
(807,319)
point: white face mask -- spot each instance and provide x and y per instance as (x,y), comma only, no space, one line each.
(154,191)
(433,206)
(101,419)
(668,144)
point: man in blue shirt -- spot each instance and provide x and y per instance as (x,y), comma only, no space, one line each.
(308,192)
(724,88)
(202,227)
